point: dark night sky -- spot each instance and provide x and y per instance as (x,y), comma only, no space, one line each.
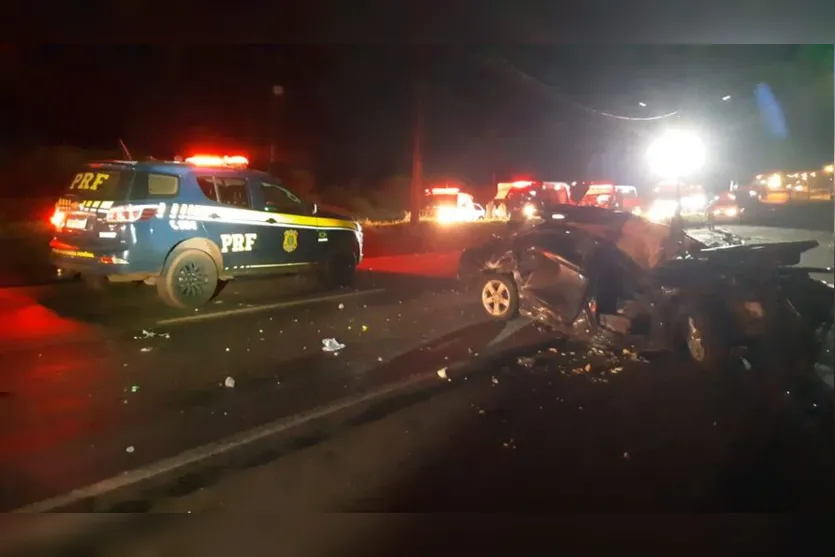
(349,112)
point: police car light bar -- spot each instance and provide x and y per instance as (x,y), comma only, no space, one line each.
(442,191)
(214,160)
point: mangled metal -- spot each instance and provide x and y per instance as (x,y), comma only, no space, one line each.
(619,281)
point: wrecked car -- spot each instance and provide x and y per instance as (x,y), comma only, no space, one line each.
(619,281)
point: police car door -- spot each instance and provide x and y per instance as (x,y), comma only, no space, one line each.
(226,218)
(290,237)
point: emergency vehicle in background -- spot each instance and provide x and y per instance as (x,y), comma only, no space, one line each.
(185,226)
(449,204)
(786,187)
(609,196)
(525,199)
(662,204)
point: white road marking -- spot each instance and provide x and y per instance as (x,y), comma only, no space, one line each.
(255,309)
(209,450)
(132,477)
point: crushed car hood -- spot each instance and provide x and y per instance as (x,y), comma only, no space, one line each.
(647,243)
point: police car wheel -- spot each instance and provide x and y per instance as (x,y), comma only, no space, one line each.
(189,279)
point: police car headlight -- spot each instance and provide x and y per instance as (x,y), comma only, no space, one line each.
(529,210)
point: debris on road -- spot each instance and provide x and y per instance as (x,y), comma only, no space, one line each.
(495,380)
(130,449)
(331,345)
(746,364)
(151,334)
(229,383)
(146,349)
(526,361)
(442,374)
(626,455)
(341,306)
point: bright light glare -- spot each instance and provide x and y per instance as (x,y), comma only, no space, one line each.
(695,202)
(676,154)
(726,98)
(662,210)
(829,168)
(447,215)
(529,210)
(58,218)
(775,181)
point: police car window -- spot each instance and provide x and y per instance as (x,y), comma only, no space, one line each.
(161,184)
(232,191)
(279,199)
(95,182)
(207,185)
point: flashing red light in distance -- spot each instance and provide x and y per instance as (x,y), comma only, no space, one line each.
(215,160)
(445,191)
(521,183)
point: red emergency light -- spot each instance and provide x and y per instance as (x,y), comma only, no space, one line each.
(521,183)
(215,160)
(445,191)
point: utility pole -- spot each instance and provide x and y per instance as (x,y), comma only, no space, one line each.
(275,98)
(417,140)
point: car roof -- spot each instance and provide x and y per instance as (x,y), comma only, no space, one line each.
(174,167)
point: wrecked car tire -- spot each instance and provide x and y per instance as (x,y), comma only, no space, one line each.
(705,342)
(499,296)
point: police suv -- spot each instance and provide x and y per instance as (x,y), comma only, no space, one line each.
(185,226)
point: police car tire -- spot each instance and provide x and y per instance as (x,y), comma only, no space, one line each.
(165,284)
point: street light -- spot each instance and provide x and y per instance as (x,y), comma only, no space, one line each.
(676,154)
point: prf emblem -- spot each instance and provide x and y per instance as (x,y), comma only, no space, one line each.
(88,180)
(237,242)
(291,240)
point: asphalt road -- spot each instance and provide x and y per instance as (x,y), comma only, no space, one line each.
(541,428)
(105,384)
(94,386)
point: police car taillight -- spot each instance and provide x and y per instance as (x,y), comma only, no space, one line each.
(129,213)
(58,217)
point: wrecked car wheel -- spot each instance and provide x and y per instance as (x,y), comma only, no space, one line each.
(499,297)
(705,344)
